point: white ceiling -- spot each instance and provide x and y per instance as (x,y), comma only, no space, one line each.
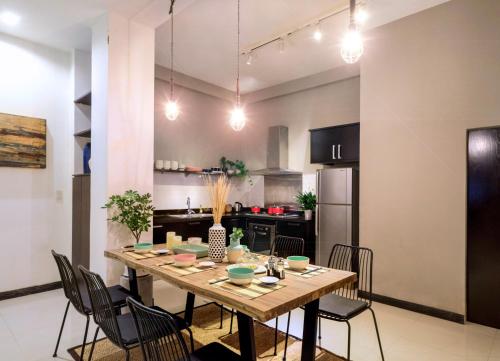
(205,32)
(205,38)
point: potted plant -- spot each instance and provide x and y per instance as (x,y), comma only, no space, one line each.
(235,250)
(307,201)
(237,168)
(133,210)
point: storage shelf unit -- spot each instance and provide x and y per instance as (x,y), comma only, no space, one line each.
(85,99)
(186,173)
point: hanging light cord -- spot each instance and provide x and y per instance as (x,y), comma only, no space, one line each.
(171,12)
(352,11)
(238,61)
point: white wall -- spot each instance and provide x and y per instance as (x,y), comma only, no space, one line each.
(425,80)
(201,135)
(35,205)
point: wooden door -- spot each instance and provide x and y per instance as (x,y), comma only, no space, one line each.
(483,231)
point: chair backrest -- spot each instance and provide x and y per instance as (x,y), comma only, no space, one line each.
(158,335)
(285,246)
(69,281)
(248,239)
(358,260)
(102,306)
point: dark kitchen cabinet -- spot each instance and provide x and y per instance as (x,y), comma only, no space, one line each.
(335,145)
(303,230)
(197,228)
(159,234)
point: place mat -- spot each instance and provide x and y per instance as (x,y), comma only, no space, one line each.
(308,272)
(251,291)
(142,255)
(183,271)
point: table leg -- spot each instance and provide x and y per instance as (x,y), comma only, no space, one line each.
(132,281)
(188,313)
(310,331)
(246,336)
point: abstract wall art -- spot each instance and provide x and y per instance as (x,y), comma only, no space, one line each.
(23,141)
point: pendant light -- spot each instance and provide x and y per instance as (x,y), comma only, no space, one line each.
(171,108)
(238,118)
(352,43)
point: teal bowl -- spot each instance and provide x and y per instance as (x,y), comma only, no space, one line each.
(298,262)
(240,275)
(143,247)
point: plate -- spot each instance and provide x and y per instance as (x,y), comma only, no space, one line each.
(206,264)
(257,270)
(269,280)
(160,251)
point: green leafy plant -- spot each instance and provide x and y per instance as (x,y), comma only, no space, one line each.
(238,166)
(133,210)
(306,200)
(237,235)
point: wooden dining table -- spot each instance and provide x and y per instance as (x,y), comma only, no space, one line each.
(297,291)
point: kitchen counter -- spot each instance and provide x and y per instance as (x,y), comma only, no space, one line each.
(165,218)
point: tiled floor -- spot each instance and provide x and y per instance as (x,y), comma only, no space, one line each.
(29,326)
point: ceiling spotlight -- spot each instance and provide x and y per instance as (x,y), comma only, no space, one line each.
(249,58)
(9,18)
(317,35)
(361,15)
(281,45)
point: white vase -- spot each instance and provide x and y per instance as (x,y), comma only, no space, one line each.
(308,214)
(216,242)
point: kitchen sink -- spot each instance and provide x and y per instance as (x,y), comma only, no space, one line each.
(191,216)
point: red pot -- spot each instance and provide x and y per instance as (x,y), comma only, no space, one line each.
(271,210)
(279,210)
(255,209)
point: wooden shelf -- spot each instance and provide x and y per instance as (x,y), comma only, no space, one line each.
(83,134)
(185,172)
(85,99)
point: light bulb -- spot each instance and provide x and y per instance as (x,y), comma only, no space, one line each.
(360,16)
(317,35)
(238,118)
(9,18)
(352,46)
(171,110)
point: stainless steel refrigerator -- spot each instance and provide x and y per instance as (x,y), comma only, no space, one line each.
(337,210)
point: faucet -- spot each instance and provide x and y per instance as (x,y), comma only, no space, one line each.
(189,211)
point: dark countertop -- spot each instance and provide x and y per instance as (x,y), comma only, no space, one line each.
(163,217)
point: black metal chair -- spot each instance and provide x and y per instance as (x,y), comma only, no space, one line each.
(284,247)
(161,340)
(355,298)
(119,329)
(76,293)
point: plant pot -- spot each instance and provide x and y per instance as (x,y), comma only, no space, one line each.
(233,255)
(308,213)
(216,242)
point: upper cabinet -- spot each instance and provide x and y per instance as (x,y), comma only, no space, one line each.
(335,145)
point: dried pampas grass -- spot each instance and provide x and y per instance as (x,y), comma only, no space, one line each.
(219,190)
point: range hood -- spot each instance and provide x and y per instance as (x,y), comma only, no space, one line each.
(277,153)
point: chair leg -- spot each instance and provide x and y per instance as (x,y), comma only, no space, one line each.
(378,334)
(85,338)
(319,331)
(61,330)
(93,344)
(231,325)
(276,337)
(128,355)
(221,315)
(191,338)
(286,336)
(348,340)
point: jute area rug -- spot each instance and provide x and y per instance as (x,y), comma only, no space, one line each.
(206,322)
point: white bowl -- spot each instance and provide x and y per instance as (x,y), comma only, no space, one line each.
(241,281)
(194,240)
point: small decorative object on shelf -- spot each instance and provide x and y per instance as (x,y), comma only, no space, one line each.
(219,190)
(307,201)
(133,210)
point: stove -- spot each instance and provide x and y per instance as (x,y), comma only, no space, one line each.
(277,216)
